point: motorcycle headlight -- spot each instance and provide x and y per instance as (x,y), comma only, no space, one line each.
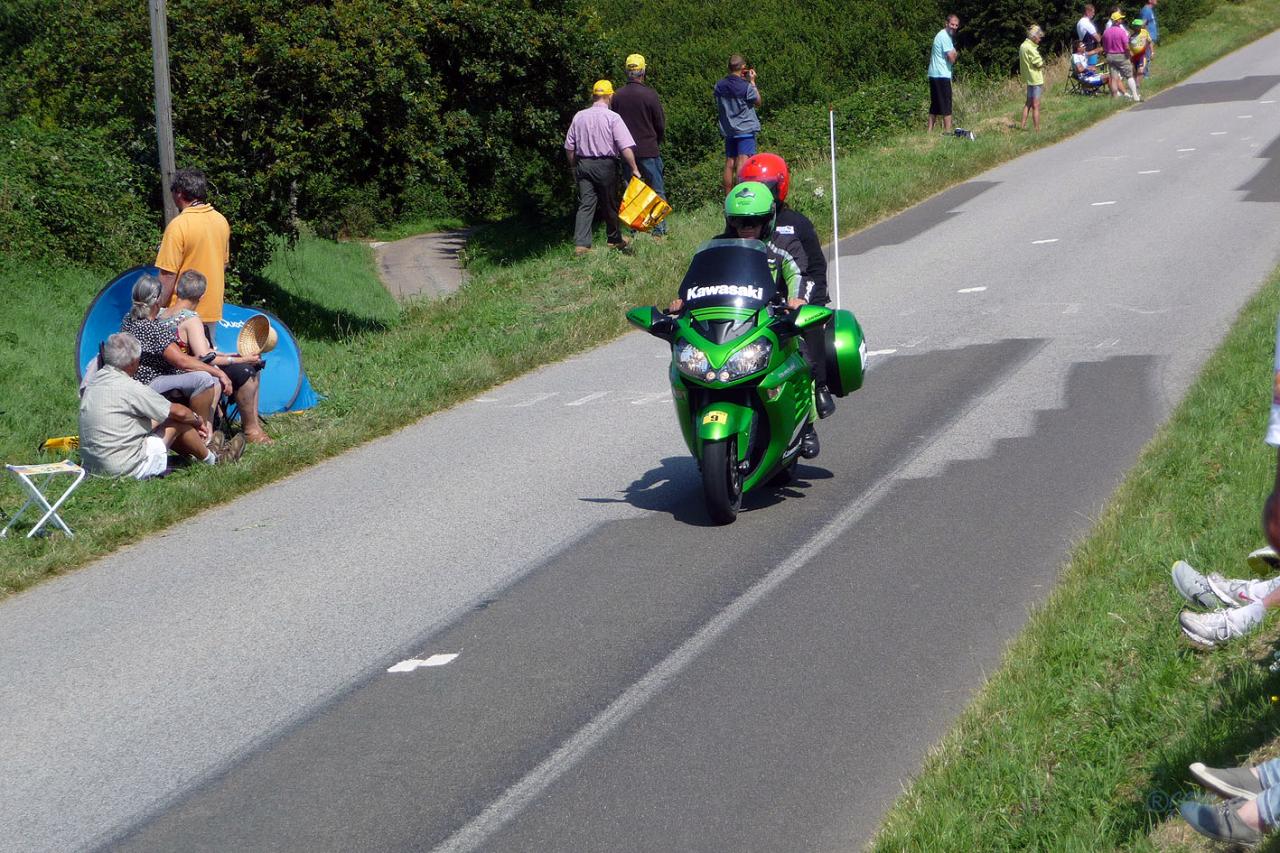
(692,361)
(752,358)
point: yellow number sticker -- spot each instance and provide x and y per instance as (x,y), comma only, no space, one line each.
(716,418)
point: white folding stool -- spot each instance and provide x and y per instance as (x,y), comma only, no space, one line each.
(24,473)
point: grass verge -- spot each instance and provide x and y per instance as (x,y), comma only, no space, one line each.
(1081,740)
(528,302)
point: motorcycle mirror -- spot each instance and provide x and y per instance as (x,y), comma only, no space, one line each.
(809,315)
(652,321)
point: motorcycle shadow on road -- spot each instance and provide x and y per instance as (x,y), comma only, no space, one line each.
(675,486)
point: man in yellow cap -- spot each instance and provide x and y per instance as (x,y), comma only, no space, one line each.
(642,113)
(596,140)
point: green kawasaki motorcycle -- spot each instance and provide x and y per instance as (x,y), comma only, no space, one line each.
(743,392)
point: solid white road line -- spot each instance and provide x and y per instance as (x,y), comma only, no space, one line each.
(475,833)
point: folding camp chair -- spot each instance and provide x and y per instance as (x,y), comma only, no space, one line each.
(1076,86)
(24,473)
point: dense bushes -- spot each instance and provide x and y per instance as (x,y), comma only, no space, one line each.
(70,196)
(323,111)
(349,113)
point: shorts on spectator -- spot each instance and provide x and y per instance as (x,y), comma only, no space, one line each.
(1034,93)
(1120,64)
(187,384)
(157,458)
(939,96)
(740,146)
(240,374)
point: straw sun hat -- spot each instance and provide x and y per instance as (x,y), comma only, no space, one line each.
(256,336)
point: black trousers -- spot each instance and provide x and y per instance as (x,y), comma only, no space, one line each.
(597,192)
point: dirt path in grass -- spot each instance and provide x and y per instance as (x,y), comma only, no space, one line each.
(425,266)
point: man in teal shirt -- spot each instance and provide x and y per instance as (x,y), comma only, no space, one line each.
(941,58)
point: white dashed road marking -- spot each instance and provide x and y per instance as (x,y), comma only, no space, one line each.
(652,398)
(1042,242)
(535,400)
(1150,172)
(881,352)
(971,290)
(1244,116)
(1185,150)
(1218,133)
(1108,344)
(587,399)
(1101,203)
(415,663)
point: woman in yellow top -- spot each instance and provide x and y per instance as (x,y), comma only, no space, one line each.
(1032,65)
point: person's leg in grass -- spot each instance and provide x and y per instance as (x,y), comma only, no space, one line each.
(186,441)
(1235,821)
(607,190)
(585,219)
(247,402)
(1035,109)
(651,172)
(205,400)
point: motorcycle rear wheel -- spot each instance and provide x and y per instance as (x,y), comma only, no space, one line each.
(721,480)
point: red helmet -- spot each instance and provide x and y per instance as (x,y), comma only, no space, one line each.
(769,169)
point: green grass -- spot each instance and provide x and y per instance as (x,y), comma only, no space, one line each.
(414,226)
(528,302)
(1100,705)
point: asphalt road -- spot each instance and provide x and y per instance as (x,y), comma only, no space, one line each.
(627,677)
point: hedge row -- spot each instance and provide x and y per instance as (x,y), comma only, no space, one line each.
(350,113)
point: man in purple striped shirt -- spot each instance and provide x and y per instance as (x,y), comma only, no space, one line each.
(597,138)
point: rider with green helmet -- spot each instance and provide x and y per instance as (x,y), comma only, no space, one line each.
(749,214)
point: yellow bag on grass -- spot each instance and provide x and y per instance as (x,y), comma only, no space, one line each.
(641,207)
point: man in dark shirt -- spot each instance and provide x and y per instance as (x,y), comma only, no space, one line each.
(737,97)
(642,113)
(794,234)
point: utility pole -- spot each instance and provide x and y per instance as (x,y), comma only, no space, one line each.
(164,112)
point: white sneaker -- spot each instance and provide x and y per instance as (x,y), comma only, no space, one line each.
(1214,629)
(1264,560)
(1194,587)
(1234,592)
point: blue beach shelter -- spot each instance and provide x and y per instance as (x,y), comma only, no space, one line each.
(284,388)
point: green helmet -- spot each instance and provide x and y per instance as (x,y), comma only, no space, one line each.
(750,203)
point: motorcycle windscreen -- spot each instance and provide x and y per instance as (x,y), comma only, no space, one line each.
(729,273)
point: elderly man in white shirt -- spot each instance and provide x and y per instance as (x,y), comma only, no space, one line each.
(127,428)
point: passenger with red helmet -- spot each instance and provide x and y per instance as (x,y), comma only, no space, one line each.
(795,235)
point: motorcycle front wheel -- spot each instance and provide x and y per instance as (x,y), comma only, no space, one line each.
(721,480)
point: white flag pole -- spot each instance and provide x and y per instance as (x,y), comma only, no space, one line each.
(835,217)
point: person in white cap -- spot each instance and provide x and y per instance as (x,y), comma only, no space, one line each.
(596,140)
(641,111)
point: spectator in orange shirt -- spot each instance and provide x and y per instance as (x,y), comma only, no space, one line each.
(198,239)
